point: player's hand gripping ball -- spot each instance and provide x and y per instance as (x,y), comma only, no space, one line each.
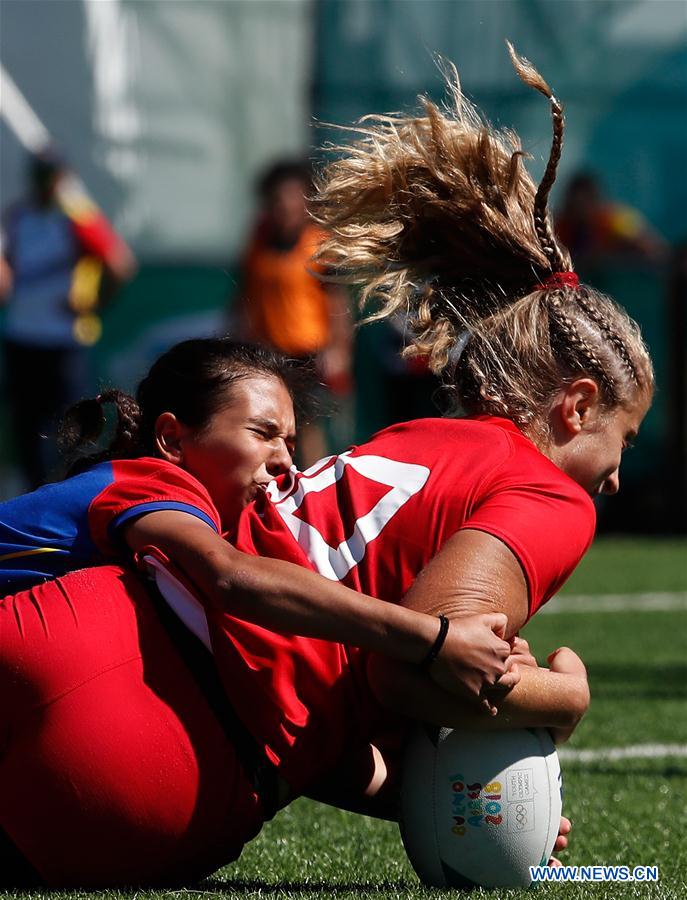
(479,809)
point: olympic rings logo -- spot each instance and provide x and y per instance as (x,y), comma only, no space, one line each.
(521,815)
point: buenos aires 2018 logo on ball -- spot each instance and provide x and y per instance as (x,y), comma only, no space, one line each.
(474,805)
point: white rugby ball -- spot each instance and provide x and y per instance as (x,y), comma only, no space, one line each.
(479,809)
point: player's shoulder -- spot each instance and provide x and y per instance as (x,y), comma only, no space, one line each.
(487,450)
(482,437)
(152,468)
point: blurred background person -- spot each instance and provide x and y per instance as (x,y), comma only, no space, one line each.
(598,230)
(60,258)
(282,301)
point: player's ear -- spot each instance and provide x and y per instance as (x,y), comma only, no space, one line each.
(579,405)
(169,434)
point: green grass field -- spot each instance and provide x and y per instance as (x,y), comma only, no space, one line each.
(631,812)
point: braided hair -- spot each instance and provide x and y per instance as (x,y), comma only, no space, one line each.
(435,216)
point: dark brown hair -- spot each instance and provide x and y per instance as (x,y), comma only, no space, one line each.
(193,380)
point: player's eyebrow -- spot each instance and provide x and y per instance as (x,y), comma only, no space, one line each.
(267,424)
(271,426)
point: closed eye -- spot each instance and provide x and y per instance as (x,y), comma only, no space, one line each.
(630,439)
(269,432)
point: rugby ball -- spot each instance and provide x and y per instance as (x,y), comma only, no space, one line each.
(479,809)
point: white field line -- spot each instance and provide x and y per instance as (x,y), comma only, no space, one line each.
(636,751)
(586,603)
(609,603)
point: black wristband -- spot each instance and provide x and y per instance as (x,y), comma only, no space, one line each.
(437,645)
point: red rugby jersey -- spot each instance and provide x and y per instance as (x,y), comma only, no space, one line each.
(373,517)
(140,486)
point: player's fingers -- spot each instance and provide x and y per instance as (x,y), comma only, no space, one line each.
(488,706)
(565,827)
(498,623)
(521,649)
(528,661)
(500,647)
(564,830)
(566,660)
(562,655)
(508,680)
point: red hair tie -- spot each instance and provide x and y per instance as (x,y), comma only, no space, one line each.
(558,279)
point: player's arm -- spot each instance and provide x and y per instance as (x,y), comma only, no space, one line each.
(367,780)
(473,573)
(477,573)
(555,698)
(98,238)
(285,597)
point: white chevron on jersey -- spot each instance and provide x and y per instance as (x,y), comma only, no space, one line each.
(403,479)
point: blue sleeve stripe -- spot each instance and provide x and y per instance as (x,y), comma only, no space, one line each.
(155,505)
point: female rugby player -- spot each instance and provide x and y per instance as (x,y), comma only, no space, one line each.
(212,423)
(494,509)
